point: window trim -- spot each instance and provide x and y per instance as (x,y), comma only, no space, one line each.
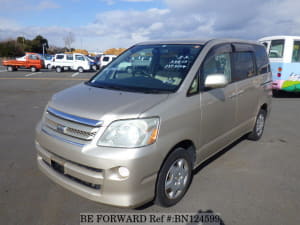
(221,51)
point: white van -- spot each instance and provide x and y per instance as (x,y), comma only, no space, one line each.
(75,61)
(106,59)
(284,55)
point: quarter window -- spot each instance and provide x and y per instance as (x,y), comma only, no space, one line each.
(276,49)
(296,52)
(243,65)
(59,56)
(194,88)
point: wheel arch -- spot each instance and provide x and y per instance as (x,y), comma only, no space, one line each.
(189,146)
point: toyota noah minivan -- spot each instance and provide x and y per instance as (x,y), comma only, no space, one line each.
(130,136)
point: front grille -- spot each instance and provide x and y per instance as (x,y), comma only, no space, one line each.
(90,185)
(70,130)
(60,169)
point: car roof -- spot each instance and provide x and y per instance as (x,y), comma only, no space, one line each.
(199,41)
(279,37)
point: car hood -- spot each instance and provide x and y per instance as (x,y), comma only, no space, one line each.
(103,104)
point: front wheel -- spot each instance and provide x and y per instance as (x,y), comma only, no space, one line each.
(259,126)
(174,178)
(80,70)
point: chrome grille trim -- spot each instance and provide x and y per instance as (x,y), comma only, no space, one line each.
(68,130)
(62,139)
(77,119)
(81,132)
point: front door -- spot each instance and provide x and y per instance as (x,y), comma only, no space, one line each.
(218,105)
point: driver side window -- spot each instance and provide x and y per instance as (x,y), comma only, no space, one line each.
(217,64)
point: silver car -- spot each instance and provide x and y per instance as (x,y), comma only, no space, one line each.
(126,137)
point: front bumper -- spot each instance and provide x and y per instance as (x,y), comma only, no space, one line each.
(92,171)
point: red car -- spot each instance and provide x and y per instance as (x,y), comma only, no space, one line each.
(30,61)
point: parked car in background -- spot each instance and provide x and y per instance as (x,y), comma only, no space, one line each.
(30,61)
(93,62)
(126,137)
(48,60)
(106,59)
(74,61)
(284,55)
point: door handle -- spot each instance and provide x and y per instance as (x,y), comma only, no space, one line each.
(240,92)
(234,94)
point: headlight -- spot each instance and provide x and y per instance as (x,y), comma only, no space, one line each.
(130,133)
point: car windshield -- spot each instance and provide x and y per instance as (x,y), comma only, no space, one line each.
(148,68)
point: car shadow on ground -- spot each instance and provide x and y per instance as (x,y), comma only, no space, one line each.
(217,155)
(284,94)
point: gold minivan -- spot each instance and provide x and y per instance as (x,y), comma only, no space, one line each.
(136,130)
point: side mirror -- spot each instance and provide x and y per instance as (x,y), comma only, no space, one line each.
(215,81)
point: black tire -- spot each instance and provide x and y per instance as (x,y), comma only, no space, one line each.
(10,68)
(259,126)
(80,70)
(58,69)
(33,69)
(179,179)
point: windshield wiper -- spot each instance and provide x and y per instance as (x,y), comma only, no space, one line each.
(130,89)
(108,86)
(153,91)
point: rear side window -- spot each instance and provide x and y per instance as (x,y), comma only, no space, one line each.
(79,57)
(105,59)
(59,56)
(69,57)
(34,57)
(243,65)
(276,49)
(262,61)
(296,52)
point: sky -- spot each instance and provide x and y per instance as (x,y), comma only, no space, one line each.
(101,24)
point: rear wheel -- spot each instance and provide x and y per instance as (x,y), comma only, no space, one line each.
(174,178)
(58,69)
(10,68)
(33,69)
(259,126)
(80,70)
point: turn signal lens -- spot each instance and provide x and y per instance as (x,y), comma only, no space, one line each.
(152,137)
